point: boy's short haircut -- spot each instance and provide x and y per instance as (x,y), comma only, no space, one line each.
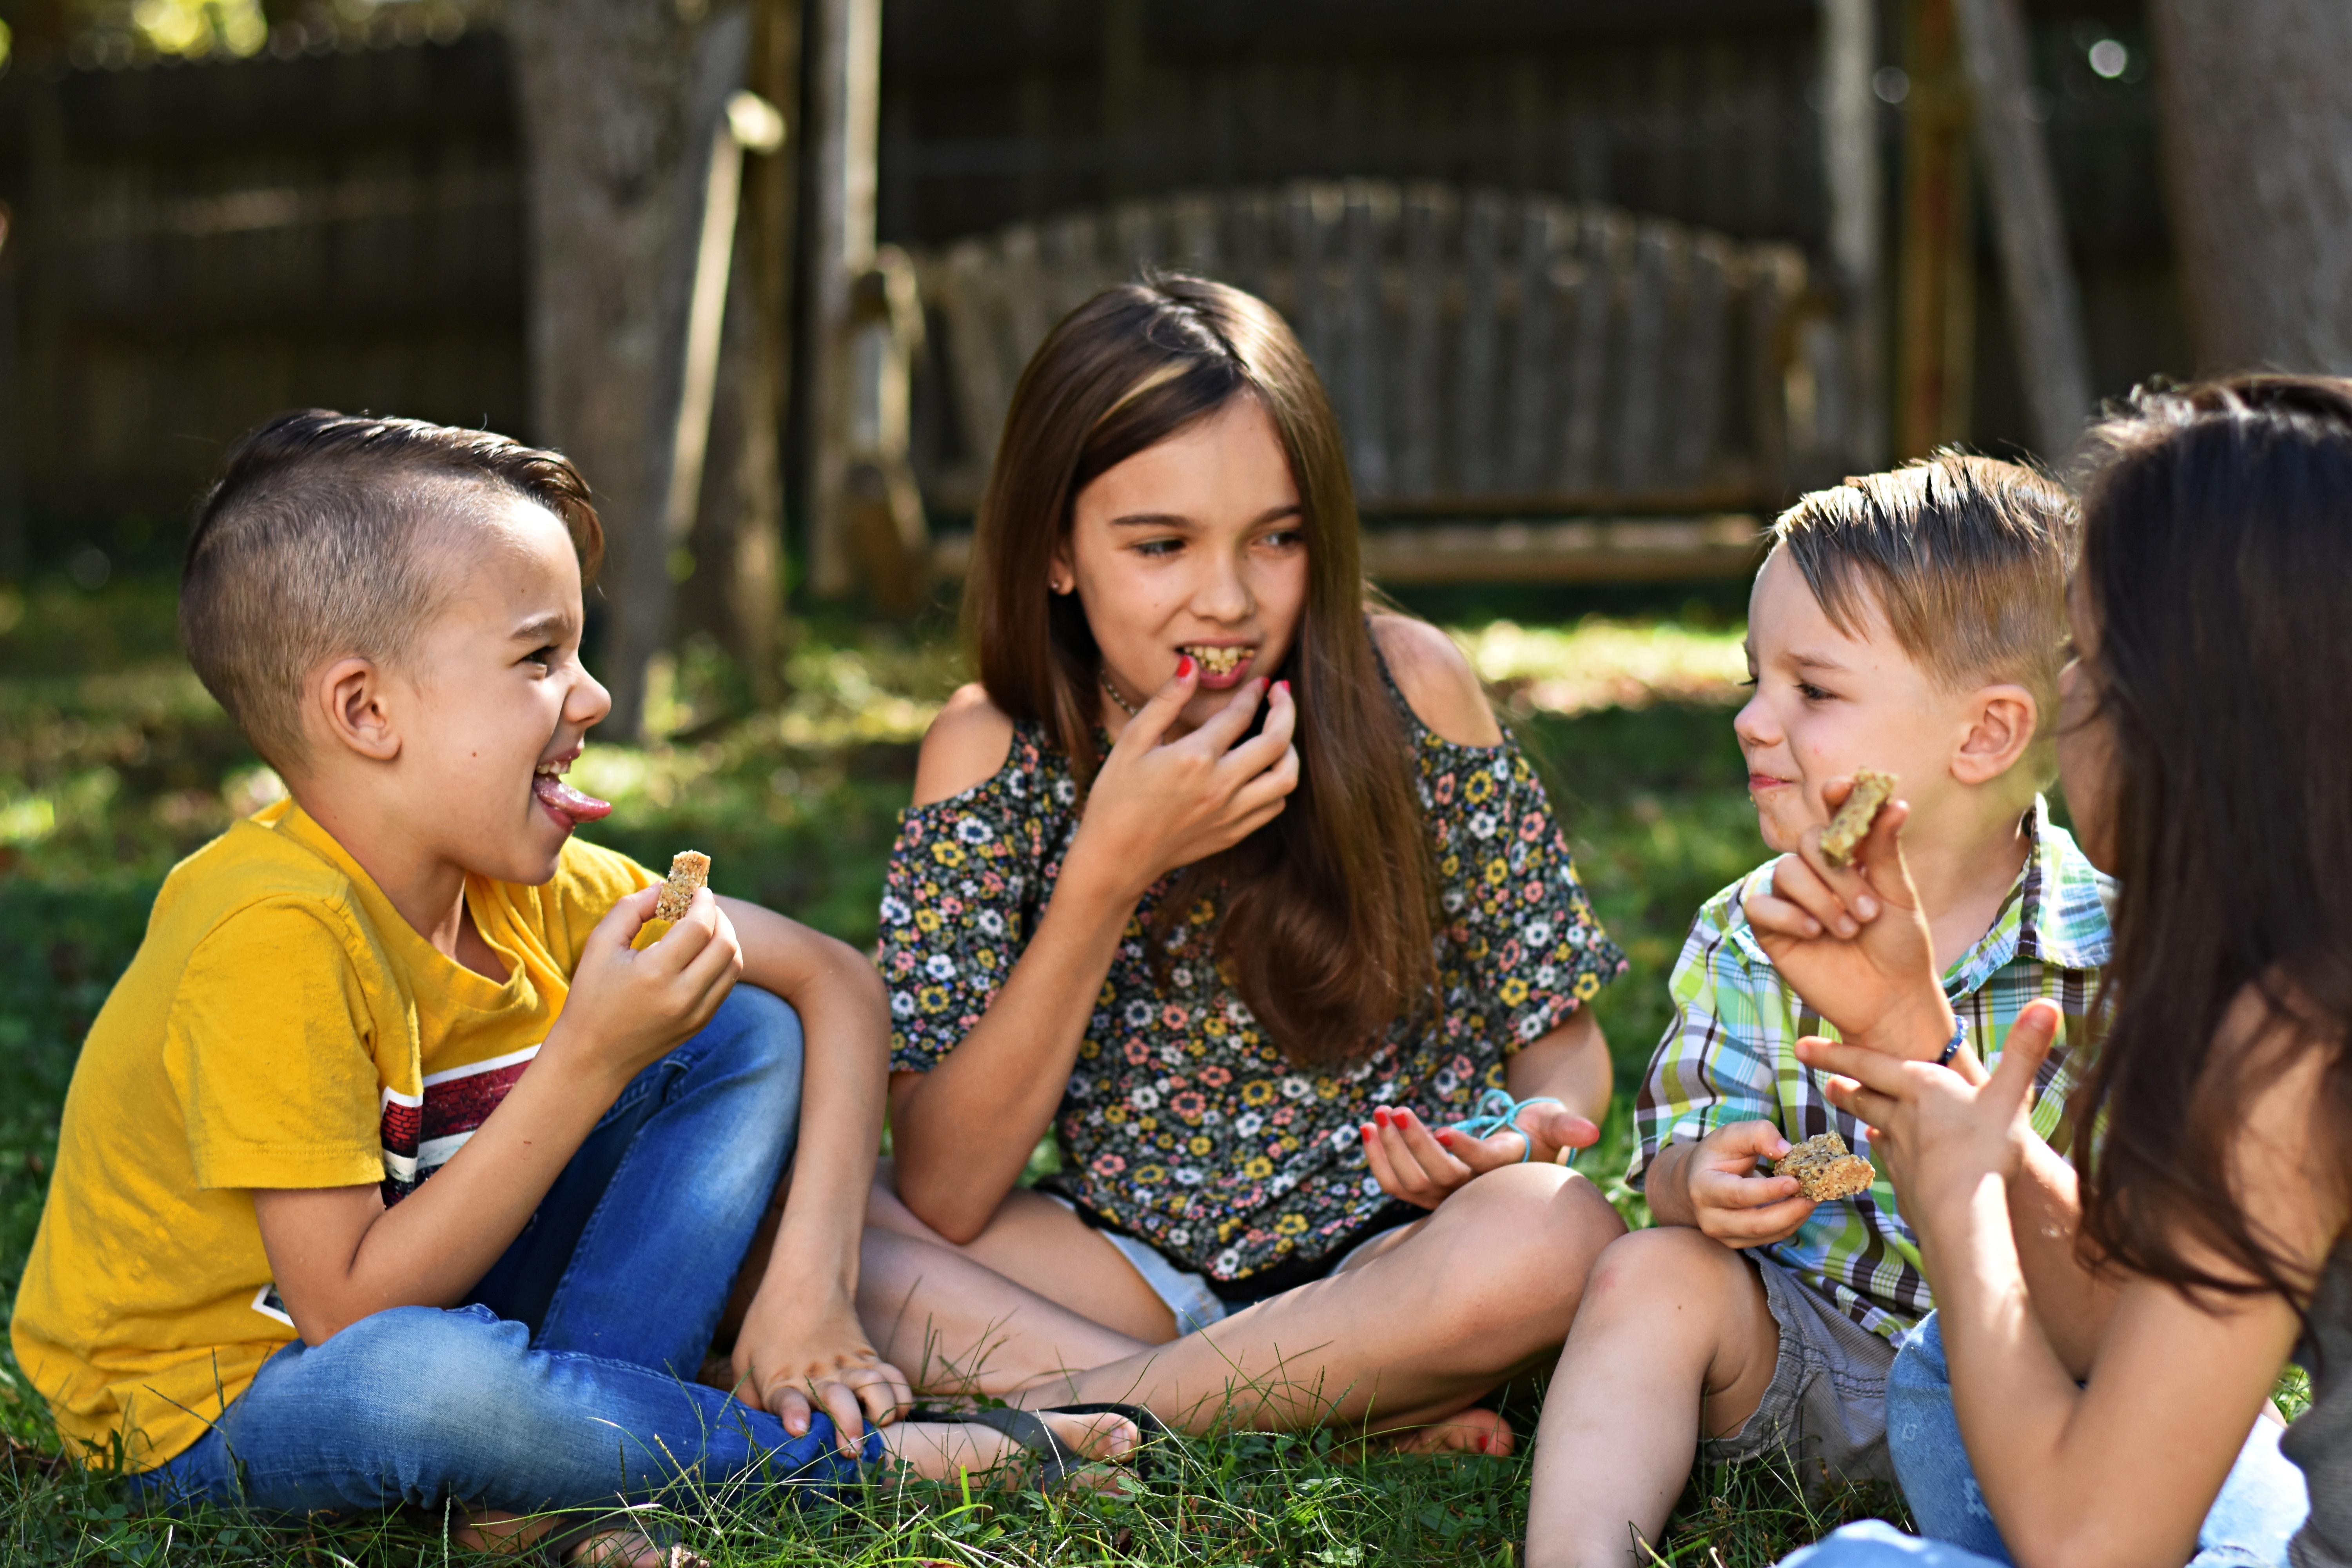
(1965,557)
(326,538)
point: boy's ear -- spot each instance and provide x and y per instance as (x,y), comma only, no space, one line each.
(2002,724)
(351,706)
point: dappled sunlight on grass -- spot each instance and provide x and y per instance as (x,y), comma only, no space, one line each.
(1601,663)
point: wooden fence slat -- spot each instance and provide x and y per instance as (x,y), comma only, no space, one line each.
(1429,216)
(1137,243)
(1473,400)
(1544,227)
(1074,260)
(1371,218)
(1694,416)
(1660,257)
(1195,242)
(1776,277)
(1249,222)
(1606,242)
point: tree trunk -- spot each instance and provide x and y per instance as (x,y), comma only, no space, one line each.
(620,100)
(2256,104)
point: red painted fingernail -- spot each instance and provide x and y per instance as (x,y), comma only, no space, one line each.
(1381,1115)
(1284,685)
(1445,1135)
(1184,666)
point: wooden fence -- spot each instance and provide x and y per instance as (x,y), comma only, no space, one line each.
(196,248)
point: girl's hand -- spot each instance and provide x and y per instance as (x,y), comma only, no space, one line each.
(1160,804)
(797,1356)
(1852,942)
(1422,1165)
(1932,1130)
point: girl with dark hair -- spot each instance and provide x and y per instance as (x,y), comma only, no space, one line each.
(1232,883)
(2086,1389)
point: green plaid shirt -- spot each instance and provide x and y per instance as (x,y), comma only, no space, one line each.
(1729,1055)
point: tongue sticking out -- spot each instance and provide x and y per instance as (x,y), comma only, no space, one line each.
(566,802)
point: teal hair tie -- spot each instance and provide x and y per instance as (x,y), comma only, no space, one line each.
(1497,1111)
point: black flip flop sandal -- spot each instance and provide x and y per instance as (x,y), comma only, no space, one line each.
(1058,1461)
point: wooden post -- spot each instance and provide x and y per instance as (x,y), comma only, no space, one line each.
(1939,281)
(1856,188)
(845,112)
(2045,308)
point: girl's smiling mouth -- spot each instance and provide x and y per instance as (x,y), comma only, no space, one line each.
(1221,663)
(568,805)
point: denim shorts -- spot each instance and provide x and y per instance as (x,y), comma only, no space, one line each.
(1187,1293)
(1827,1405)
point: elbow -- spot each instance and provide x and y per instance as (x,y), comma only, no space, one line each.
(941,1205)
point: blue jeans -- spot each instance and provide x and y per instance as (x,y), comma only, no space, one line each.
(567,1382)
(2262,1502)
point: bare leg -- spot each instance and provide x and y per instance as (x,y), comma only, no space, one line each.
(1673,1341)
(1481,1291)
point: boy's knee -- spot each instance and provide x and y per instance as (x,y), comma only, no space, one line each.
(755,1039)
(1669,1262)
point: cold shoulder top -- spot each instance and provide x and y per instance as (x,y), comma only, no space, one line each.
(1183,1123)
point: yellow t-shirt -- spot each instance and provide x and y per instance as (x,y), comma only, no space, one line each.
(281,1026)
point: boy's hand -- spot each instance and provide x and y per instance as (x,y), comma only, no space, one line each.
(1854,942)
(1423,1165)
(796,1356)
(626,1009)
(1731,1203)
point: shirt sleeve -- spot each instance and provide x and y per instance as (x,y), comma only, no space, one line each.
(1716,1064)
(269,1050)
(1524,948)
(959,902)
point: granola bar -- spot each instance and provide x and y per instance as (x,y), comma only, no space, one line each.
(1825,1170)
(1851,825)
(689,869)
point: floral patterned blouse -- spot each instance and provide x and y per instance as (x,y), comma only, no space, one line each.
(1183,1123)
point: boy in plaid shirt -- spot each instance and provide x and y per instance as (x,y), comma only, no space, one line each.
(1912,622)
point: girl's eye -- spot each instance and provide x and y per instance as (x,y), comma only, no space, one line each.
(1284,538)
(1155,548)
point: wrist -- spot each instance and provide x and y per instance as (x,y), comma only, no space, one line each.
(1916,1031)
(587,1061)
(1092,885)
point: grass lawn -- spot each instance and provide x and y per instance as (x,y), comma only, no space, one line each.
(114,762)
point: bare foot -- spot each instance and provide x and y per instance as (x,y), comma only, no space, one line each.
(498,1531)
(1471,1431)
(938,1451)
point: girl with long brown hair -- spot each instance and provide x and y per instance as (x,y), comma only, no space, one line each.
(1231,883)
(2085,1392)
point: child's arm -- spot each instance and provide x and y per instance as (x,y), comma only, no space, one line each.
(339,1254)
(800,1344)
(1855,943)
(2120,1470)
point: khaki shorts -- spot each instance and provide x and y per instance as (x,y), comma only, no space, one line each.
(1827,1406)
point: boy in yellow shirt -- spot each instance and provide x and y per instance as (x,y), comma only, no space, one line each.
(395,1170)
